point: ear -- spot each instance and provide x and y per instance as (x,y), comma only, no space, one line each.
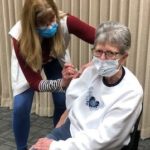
(123,58)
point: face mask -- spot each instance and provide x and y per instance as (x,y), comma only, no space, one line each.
(106,68)
(48,32)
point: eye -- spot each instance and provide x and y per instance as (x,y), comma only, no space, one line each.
(99,51)
(42,27)
(109,53)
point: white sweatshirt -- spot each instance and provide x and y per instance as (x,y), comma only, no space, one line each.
(101,116)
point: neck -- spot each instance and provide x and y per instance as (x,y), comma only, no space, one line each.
(113,79)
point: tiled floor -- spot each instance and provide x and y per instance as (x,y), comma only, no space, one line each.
(40,126)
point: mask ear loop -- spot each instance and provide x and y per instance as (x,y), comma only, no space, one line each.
(124,56)
(120,65)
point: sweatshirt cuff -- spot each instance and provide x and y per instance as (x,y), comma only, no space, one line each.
(51,85)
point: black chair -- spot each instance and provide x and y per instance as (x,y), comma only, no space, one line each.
(135,136)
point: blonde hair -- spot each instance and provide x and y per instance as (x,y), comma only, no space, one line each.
(30,42)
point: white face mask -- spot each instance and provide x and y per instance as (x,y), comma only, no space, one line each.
(106,68)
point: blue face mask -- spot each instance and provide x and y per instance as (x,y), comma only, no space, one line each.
(48,32)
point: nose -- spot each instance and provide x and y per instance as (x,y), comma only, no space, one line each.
(48,24)
(103,56)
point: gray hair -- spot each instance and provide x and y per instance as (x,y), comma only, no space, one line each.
(114,33)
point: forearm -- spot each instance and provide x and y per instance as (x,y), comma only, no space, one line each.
(62,119)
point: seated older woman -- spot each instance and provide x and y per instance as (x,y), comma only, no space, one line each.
(104,103)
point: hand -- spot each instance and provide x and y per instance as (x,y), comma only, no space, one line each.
(68,73)
(42,144)
(77,75)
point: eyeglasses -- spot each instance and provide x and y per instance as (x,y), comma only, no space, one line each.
(108,54)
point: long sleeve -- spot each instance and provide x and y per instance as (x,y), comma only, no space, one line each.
(114,130)
(80,29)
(34,78)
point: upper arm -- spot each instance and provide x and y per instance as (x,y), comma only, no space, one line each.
(81,29)
(62,119)
(31,76)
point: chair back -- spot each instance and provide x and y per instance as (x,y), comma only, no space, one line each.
(135,136)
